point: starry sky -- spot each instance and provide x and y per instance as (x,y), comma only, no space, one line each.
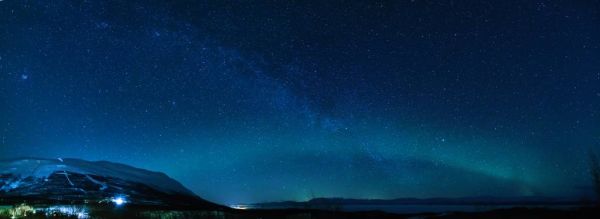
(250,101)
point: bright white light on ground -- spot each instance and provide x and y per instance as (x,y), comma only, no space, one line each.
(241,207)
(118,200)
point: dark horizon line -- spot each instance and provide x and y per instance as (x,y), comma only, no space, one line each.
(484,199)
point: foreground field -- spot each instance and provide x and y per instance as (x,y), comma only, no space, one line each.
(80,211)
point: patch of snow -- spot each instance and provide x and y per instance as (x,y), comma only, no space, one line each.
(67,176)
(43,168)
(103,186)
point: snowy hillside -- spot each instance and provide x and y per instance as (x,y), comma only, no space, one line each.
(79,180)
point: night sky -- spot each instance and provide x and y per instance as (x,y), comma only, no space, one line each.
(290,100)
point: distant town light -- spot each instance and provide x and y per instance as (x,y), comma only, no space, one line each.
(240,207)
(119,200)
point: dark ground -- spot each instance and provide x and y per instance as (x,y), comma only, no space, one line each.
(144,212)
(503,213)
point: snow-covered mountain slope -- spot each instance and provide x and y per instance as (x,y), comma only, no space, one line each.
(78,180)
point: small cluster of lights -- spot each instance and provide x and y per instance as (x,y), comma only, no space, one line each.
(76,211)
(119,201)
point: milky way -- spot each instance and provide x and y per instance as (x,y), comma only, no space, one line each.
(246,102)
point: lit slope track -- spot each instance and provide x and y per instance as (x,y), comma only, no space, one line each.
(74,180)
